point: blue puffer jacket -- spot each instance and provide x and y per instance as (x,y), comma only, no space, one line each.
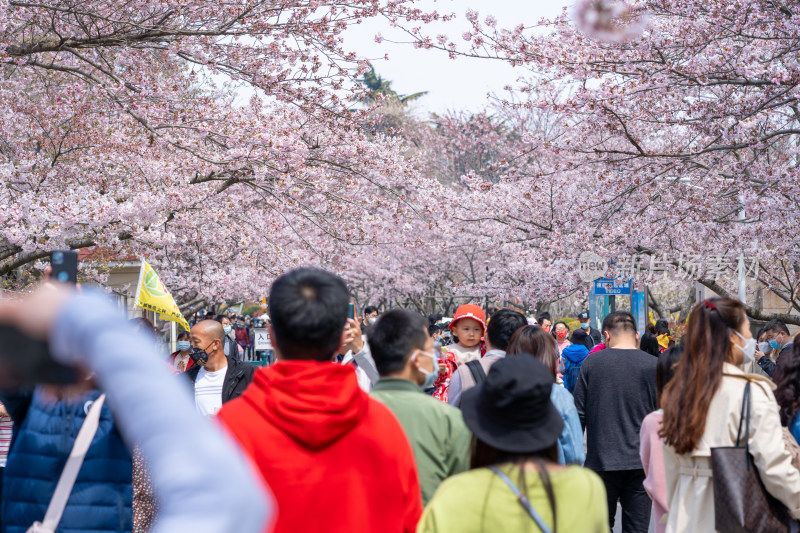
(101,499)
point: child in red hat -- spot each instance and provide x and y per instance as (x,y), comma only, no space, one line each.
(469,325)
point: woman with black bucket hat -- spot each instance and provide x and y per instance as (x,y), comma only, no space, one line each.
(516,483)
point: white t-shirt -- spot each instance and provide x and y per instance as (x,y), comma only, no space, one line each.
(208,391)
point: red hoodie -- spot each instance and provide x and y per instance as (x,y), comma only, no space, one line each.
(335,459)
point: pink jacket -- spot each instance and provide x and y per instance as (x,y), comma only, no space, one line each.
(651,450)
(597,348)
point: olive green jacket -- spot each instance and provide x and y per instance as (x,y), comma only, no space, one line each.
(438,435)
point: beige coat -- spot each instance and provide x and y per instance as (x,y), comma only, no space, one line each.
(689,487)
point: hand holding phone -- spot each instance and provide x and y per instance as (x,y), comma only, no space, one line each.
(64,265)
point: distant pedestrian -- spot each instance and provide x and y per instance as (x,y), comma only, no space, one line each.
(615,390)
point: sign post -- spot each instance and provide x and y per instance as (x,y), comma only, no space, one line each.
(639,310)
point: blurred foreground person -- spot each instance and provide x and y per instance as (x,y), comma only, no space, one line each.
(516,483)
(336,459)
(150,412)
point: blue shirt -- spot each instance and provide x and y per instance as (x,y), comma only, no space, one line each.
(570,443)
(795,428)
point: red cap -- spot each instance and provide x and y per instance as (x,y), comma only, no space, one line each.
(469,311)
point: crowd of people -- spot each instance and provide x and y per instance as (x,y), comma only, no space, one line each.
(374,424)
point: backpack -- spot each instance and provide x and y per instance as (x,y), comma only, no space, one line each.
(476,369)
(571,375)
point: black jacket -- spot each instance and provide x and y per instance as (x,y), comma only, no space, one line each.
(237,378)
(593,338)
(233,349)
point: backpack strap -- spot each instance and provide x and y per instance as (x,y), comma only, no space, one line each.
(526,504)
(70,473)
(475,368)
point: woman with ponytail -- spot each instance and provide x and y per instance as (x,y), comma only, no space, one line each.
(702,406)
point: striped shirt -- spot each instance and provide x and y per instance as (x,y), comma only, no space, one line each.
(5,437)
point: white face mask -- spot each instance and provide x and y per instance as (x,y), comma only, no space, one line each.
(372,320)
(749,348)
(764,347)
(430,377)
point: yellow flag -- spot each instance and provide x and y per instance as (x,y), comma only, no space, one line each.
(153,296)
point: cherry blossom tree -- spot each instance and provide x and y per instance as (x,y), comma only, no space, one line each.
(677,137)
(216,139)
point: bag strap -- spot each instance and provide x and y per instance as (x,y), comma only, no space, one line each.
(745,417)
(73,465)
(475,368)
(521,499)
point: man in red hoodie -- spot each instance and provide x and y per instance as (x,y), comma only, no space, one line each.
(335,459)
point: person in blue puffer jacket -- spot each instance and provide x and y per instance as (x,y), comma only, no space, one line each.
(45,429)
(573,355)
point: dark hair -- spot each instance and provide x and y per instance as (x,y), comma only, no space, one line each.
(370,309)
(485,455)
(665,369)
(787,380)
(394,336)
(650,328)
(537,342)
(776,326)
(619,322)
(502,326)
(433,329)
(662,327)
(309,311)
(434,318)
(686,398)
(182,335)
(761,332)
(544,316)
(649,343)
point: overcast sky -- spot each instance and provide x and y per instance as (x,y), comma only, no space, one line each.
(451,84)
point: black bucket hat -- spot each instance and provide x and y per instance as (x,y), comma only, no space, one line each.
(511,409)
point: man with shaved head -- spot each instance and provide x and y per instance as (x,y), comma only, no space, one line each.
(220,378)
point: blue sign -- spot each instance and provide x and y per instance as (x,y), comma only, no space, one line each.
(613,287)
(639,310)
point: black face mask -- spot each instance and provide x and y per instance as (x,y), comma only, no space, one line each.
(200,357)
